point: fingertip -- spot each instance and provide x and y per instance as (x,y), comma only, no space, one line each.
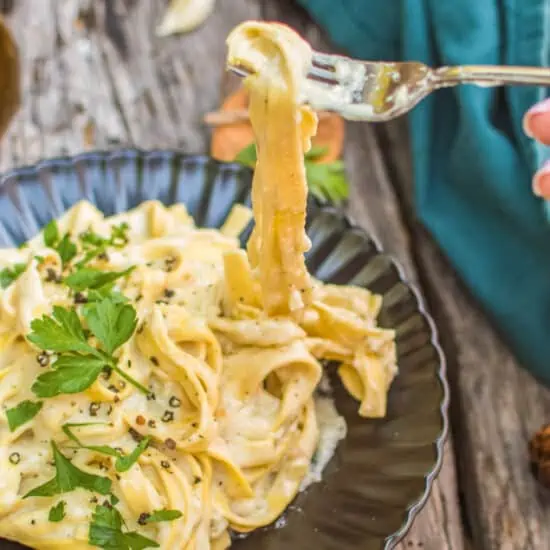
(536,122)
(537,126)
(526,125)
(541,181)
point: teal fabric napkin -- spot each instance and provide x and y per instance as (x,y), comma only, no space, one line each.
(472,161)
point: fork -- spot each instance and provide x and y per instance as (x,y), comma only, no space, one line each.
(380,91)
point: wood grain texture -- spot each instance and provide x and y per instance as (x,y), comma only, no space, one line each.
(496,405)
(96,76)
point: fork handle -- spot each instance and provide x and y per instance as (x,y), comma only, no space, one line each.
(491,75)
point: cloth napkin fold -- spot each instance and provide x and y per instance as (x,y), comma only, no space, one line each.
(472,161)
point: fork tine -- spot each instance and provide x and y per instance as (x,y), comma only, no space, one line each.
(324,60)
(239,70)
(323,75)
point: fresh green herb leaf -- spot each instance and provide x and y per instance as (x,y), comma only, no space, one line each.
(22,413)
(71,373)
(66,249)
(98,295)
(113,499)
(23,245)
(69,477)
(106,532)
(118,238)
(92,251)
(51,234)
(61,332)
(91,239)
(40,259)
(163,515)
(124,463)
(247,156)
(104,449)
(57,512)
(107,516)
(131,380)
(316,152)
(88,277)
(118,297)
(95,244)
(326,181)
(119,235)
(90,255)
(10,274)
(111,323)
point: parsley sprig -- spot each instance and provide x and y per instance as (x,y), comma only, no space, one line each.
(57,512)
(9,274)
(66,248)
(123,462)
(88,278)
(79,363)
(326,181)
(92,245)
(22,413)
(162,515)
(95,245)
(68,477)
(106,531)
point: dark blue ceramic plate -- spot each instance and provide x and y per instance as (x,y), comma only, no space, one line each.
(381,474)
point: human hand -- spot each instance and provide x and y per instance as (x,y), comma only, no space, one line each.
(536,124)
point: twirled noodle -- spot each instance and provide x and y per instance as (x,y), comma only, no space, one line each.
(278,59)
(228,345)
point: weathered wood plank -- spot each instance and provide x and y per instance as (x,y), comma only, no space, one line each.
(496,405)
(96,76)
(164,86)
(65,86)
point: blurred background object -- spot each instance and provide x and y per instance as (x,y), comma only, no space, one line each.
(184,16)
(10,86)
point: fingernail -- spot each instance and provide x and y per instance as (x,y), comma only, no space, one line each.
(539,108)
(541,181)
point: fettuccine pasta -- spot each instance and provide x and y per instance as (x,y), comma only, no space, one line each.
(158,383)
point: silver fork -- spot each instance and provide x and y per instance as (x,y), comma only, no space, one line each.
(379,91)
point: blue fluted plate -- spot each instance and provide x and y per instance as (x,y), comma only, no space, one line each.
(381,474)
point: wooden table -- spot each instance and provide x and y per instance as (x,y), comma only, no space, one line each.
(95,76)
